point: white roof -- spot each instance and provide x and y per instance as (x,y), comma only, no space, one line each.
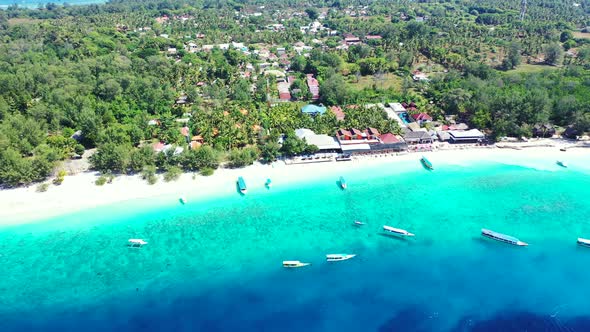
(323,142)
(397,107)
(466,134)
(351,147)
(302,132)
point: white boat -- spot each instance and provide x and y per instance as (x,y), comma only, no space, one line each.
(291,264)
(338,257)
(359,223)
(503,238)
(584,242)
(562,163)
(136,243)
(397,231)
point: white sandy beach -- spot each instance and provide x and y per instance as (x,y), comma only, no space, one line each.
(79,192)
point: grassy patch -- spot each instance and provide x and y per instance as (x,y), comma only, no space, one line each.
(529,68)
(386,81)
(581,35)
(18,21)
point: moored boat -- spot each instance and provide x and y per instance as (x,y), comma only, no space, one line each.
(358,223)
(268,183)
(584,242)
(562,163)
(344,157)
(182,200)
(397,231)
(502,238)
(242,185)
(342,183)
(292,264)
(136,243)
(426,163)
(338,257)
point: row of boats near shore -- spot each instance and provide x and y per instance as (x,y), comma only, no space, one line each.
(404,233)
(342,182)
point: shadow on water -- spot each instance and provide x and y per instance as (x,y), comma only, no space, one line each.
(394,237)
(339,185)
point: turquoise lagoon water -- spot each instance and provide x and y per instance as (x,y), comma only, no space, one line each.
(215,265)
(36,3)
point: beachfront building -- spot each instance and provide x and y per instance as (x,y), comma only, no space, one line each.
(325,143)
(418,137)
(544,130)
(466,136)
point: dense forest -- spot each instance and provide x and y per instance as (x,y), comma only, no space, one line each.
(117,79)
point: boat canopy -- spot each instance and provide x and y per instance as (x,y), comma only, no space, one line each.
(500,235)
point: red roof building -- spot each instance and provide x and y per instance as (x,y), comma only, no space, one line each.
(344,134)
(389,138)
(314,87)
(356,134)
(422,117)
(337,112)
(372,133)
(158,146)
(184,131)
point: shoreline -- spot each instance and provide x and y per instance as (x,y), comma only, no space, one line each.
(79,192)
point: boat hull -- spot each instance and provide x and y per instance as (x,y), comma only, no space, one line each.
(503,238)
(342,183)
(584,242)
(426,163)
(397,231)
(242,185)
(294,264)
(338,257)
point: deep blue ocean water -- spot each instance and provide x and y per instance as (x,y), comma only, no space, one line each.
(215,265)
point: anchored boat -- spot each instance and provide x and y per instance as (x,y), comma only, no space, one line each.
(503,238)
(268,183)
(358,223)
(342,183)
(242,185)
(426,163)
(562,163)
(136,243)
(338,257)
(292,264)
(397,231)
(584,242)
